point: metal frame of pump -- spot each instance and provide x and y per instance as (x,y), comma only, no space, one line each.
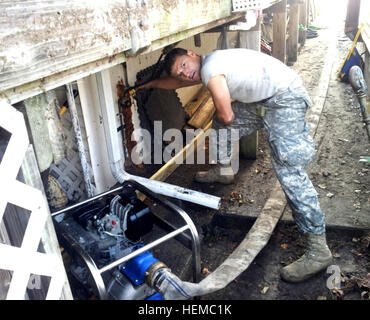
(141,257)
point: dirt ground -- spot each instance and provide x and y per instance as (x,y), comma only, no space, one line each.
(342,183)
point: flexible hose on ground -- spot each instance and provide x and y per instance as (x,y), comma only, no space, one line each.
(172,287)
(358,83)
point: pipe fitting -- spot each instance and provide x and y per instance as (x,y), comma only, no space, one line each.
(150,273)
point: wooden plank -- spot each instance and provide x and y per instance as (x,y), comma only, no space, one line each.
(202,96)
(45,82)
(46,37)
(170,17)
(40,38)
(292,44)
(352,16)
(28,90)
(303,21)
(248,145)
(279,30)
(164,172)
(203,115)
(185,34)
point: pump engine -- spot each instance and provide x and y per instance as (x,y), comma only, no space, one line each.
(101,232)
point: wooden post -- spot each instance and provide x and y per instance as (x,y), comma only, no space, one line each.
(279,30)
(352,16)
(292,45)
(251,39)
(302,21)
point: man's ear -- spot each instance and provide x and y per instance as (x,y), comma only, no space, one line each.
(191,53)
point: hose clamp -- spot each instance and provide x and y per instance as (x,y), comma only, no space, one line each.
(151,271)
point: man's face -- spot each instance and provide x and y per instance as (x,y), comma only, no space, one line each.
(187,67)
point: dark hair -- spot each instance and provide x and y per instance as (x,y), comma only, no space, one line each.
(170,58)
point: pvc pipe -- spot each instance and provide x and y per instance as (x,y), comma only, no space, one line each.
(117,161)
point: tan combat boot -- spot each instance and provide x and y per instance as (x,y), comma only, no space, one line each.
(218,173)
(316,258)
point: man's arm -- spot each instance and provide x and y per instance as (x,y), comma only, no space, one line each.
(169,83)
(221,98)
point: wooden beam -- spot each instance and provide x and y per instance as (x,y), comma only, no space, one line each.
(352,16)
(303,9)
(187,33)
(164,172)
(279,21)
(292,44)
(203,114)
(171,17)
(202,96)
(248,145)
(40,39)
(28,90)
(21,90)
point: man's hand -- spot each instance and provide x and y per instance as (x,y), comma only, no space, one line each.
(221,98)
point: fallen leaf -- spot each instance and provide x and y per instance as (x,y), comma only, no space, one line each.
(206,271)
(330,195)
(321,298)
(322,186)
(264,290)
(336,255)
(284,246)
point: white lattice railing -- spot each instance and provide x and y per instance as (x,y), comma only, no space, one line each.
(244,5)
(25,261)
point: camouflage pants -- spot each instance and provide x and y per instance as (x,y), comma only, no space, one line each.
(291,149)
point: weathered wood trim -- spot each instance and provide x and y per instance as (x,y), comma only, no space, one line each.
(303,9)
(202,96)
(185,34)
(279,30)
(292,43)
(22,87)
(203,114)
(352,16)
(40,38)
(169,17)
(36,87)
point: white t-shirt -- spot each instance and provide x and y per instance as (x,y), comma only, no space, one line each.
(250,75)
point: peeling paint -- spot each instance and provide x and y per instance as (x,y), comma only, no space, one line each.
(125,108)
(42,38)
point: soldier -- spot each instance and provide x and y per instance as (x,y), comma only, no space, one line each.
(254,79)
